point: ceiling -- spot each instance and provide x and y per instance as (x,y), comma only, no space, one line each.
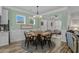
(33,9)
(74,10)
(74,15)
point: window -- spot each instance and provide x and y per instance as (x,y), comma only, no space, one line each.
(20,19)
(32,21)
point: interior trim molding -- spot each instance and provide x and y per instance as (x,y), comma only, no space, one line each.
(57,10)
(20,10)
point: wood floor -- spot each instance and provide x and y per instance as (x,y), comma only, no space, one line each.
(17,48)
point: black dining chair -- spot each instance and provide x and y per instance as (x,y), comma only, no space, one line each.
(42,41)
(39,41)
(31,38)
(48,39)
(35,41)
(27,39)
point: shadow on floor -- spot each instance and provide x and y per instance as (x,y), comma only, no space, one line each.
(32,49)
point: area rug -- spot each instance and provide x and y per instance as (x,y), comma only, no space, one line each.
(32,49)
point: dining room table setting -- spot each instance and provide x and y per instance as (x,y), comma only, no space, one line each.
(36,38)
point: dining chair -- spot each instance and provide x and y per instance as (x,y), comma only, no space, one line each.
(49,42)
(35,41)
(40,40)
(43,41)
(27,39)
(31,38)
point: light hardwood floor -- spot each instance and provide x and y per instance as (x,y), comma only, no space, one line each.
(17,48)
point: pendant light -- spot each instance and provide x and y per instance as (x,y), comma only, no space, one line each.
(37,10)
(37,13)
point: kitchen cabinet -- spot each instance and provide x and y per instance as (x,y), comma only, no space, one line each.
(4,16)
(4,38)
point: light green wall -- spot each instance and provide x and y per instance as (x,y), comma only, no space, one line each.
(63,16)
(12,17)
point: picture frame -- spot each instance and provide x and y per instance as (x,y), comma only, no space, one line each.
(20,19)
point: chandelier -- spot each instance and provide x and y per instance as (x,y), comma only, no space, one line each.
(37,13)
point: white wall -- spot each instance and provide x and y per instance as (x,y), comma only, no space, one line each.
(0,10)
(17,35)
(74,15)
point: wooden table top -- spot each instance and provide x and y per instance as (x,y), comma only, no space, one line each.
(35,33)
